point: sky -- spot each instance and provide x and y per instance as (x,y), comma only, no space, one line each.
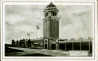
(74,21)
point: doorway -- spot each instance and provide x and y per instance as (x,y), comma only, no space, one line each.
(53,46)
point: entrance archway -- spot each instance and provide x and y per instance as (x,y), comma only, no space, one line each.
(53,46)
(46,43)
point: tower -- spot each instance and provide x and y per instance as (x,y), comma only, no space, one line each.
(51,24)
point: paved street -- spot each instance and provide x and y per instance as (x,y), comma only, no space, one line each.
(41,51)
(46,52)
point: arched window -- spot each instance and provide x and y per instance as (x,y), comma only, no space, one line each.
(54,13)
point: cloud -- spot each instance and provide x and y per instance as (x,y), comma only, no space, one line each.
(74,21)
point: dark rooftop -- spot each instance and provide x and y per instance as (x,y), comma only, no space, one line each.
(51,5)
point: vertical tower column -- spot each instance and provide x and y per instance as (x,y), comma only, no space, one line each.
(51,25)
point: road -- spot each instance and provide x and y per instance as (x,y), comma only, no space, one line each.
(28,51)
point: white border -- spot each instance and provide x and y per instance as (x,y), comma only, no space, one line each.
(61,58)
(82,1)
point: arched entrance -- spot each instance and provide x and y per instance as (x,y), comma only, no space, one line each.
(46,43)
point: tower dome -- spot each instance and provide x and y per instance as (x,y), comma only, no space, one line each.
(51,5)
(51,9)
